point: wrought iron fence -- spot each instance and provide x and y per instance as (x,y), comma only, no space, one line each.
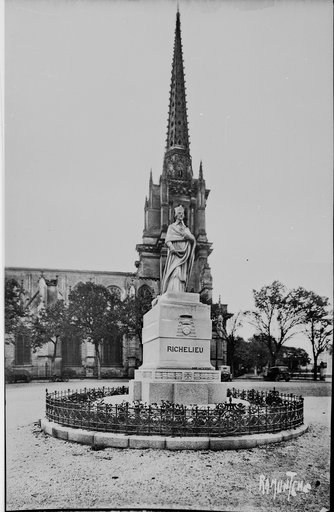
(86,409)
(271,397)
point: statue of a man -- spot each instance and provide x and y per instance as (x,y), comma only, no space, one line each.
(180,257)
(221,331)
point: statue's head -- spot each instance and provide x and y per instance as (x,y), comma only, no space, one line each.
(179,212)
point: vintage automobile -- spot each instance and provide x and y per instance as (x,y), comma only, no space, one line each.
(63,377)
(277,373)
(225,373)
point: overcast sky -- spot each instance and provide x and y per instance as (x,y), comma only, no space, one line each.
(87,88)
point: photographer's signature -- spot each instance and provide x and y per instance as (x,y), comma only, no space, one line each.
(290,485)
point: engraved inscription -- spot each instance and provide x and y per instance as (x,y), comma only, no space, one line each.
(206,376)
(196,350)
(184,375)
(168,375)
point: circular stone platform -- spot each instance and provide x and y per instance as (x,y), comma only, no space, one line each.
(102,440)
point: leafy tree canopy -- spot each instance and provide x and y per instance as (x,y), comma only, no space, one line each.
(277,315)
(133,310)
(93,310)
(51,324)
(252,353)
(318,328)
(94,313)
(293,357)
(14,307)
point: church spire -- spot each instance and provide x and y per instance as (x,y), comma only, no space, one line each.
(177,129)
(177,162)
(200,174)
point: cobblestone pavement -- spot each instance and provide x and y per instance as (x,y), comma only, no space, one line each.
(43,472)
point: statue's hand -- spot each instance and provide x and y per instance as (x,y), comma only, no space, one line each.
(189,236)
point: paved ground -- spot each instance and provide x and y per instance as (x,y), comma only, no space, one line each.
(44,472)
(25,403)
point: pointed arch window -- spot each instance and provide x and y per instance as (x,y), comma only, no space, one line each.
(22,347)
(116,291)
(145,292)
(71,351)
(111,349)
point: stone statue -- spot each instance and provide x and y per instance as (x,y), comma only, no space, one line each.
(180,257)
(221,331)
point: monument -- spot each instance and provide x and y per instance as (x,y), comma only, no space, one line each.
(177,331)
(177,334)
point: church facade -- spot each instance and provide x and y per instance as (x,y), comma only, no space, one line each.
(177,186)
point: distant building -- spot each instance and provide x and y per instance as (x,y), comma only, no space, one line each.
(41,287)
(176,186)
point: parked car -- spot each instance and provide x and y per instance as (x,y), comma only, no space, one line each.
(225,373)
(17,375)
(63,377)
(277,373)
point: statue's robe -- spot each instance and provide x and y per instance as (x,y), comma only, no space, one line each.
(178,265)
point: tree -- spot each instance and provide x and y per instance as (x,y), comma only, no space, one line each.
(132,314)
(15,310)
(259,353)
(50,325)
(252,353)
(242,358)
(277,315)
(95,313)
(232,338)
(318,321)
(294,357)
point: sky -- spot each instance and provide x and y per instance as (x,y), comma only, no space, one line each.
(86,98)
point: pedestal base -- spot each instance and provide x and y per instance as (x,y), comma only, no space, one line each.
(186,393)
(176,354)
(177,333)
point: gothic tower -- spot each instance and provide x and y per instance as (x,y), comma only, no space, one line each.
(176,186)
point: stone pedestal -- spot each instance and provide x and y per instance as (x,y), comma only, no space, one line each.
(176,354)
